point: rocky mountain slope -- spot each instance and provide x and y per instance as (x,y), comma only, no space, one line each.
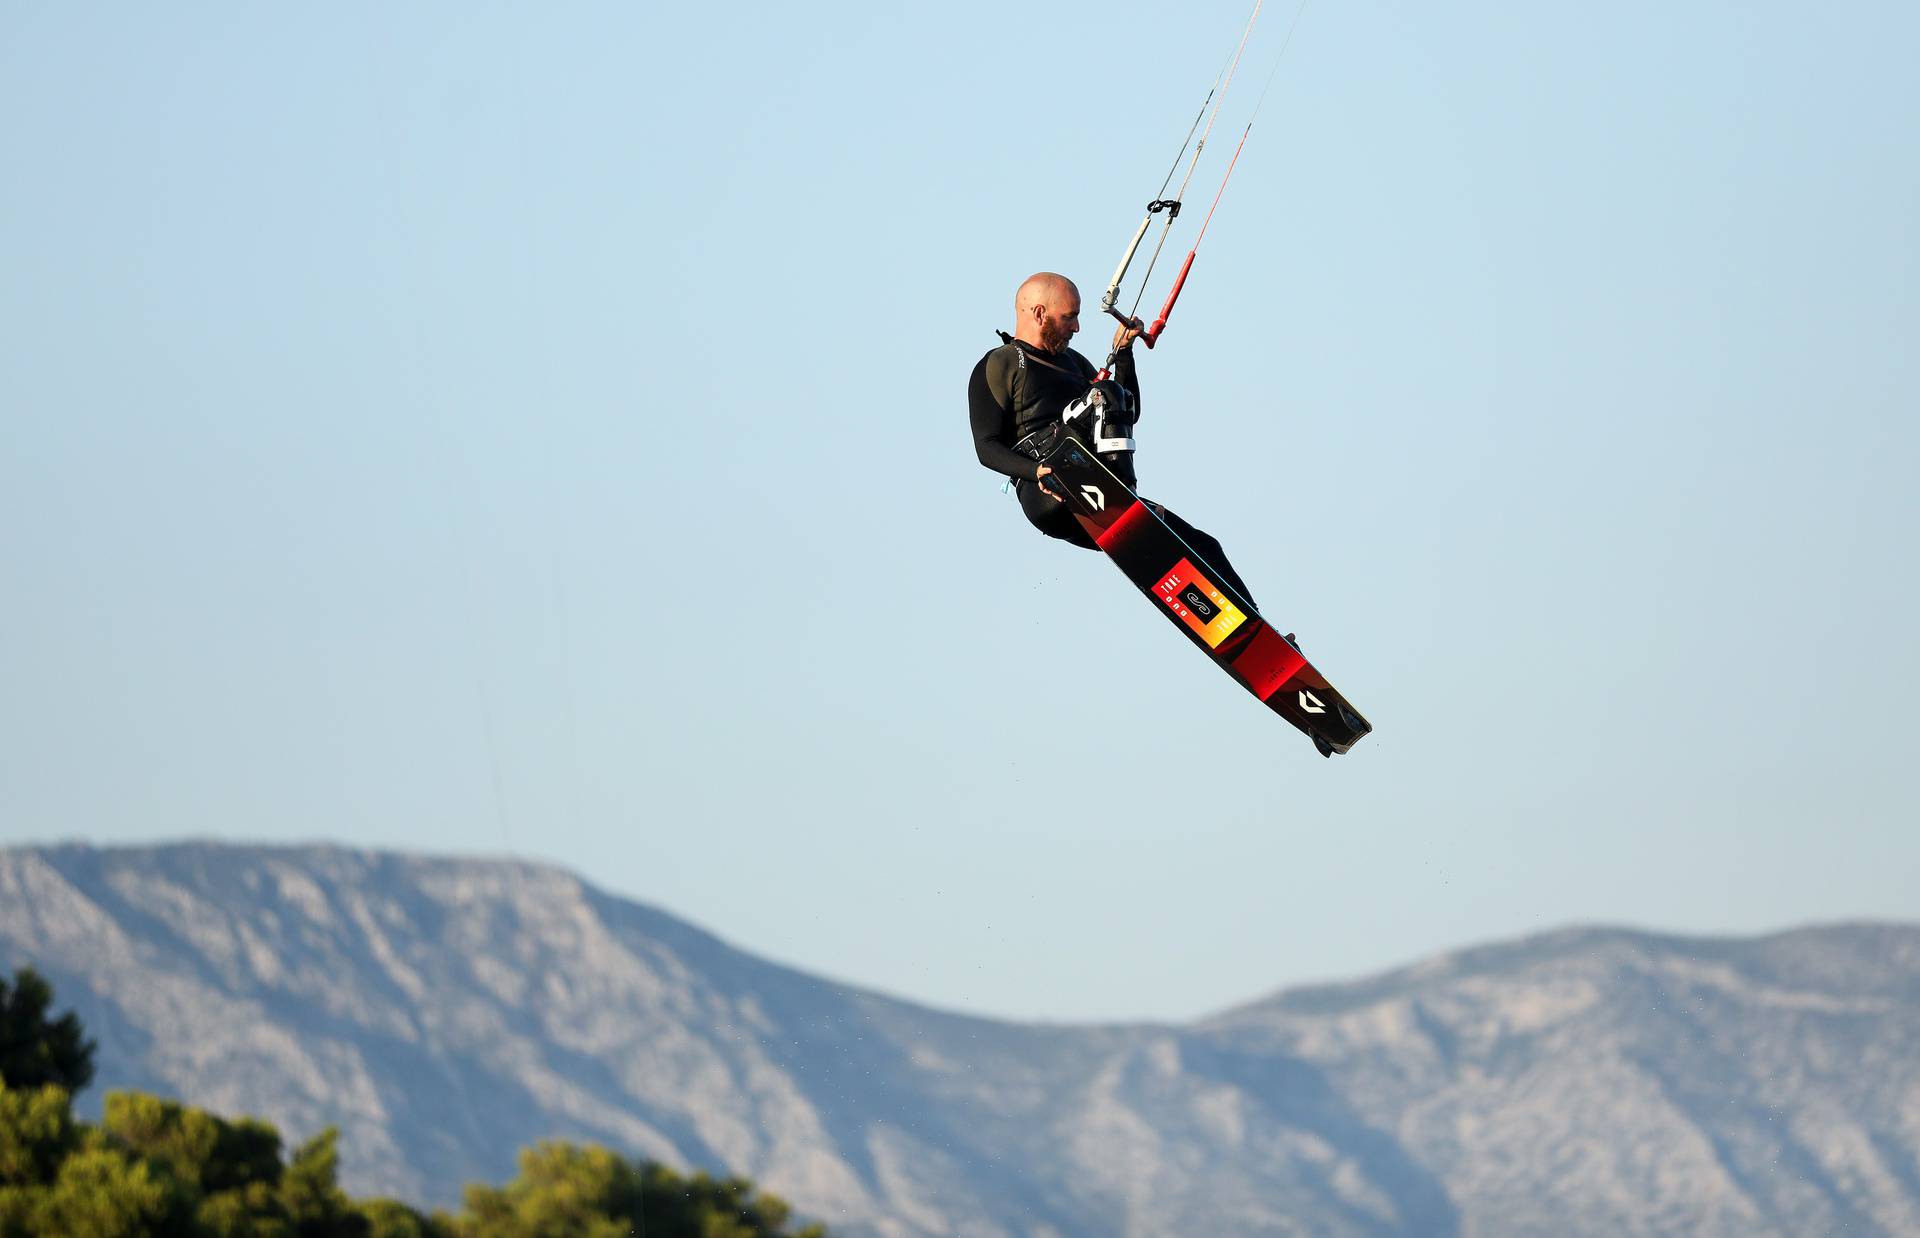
(446,1012)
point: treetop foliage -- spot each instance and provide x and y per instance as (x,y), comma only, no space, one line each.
(35,1050)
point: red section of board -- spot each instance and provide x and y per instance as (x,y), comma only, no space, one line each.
(1267,662)
(1136,512)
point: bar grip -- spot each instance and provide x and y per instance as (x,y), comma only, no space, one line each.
(1160,324)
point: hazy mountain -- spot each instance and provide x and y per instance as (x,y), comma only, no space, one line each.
(444,1013)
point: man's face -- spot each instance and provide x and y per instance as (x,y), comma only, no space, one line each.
(1060,321)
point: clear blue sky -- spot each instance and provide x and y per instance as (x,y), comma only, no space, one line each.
(540,430)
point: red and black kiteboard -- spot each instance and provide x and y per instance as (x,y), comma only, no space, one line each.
(1211,612)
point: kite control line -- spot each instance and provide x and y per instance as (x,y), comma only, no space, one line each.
(1180,281)
(1172,206)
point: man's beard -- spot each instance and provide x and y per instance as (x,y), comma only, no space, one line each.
(1053,336)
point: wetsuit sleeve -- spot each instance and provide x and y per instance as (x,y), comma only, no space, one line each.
(990,408)
(1128,377)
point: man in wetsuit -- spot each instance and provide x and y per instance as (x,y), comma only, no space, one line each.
(1027,383)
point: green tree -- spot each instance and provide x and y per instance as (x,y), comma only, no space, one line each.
(102,1193)
(389,1218)
(231,1171)
(311,1194)
(203,1152)
(36,1134)
(35,1050)
(567,1191)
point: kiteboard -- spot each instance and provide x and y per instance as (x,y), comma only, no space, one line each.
(1212,613)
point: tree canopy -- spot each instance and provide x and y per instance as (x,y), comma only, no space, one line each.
(36,1050)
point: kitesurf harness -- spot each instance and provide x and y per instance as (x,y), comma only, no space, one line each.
(1104,416)
(1107,411)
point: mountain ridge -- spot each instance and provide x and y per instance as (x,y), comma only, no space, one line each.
(446,1011)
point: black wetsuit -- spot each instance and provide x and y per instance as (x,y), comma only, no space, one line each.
(1018,388)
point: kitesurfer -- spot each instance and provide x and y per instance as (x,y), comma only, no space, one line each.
(1028,382)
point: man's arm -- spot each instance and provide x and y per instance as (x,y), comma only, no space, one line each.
(992,420)
(1127,376)
(1124,372)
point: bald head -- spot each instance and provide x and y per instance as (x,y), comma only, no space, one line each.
(1046,311)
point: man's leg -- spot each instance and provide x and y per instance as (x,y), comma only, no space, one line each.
(1051,516)
(1209,549)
